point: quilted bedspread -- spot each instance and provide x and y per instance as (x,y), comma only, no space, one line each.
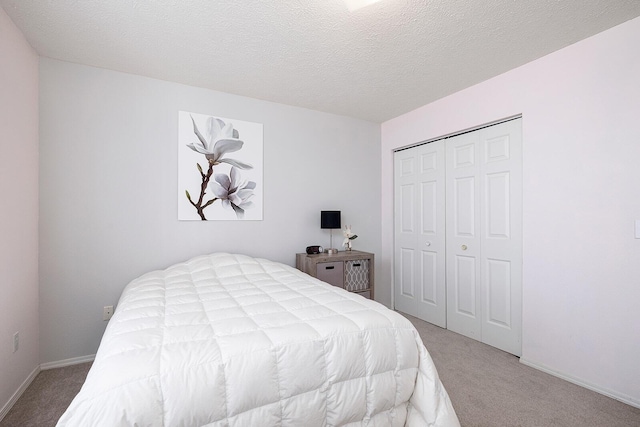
(229,340)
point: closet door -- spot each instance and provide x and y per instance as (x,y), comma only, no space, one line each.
(484,235)
(419,253)
(463,236)
(501,173)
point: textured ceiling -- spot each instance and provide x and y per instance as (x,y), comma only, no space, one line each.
(374,63)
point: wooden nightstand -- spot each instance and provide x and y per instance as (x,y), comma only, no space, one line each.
(350,270)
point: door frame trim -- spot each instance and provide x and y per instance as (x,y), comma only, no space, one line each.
(462,132)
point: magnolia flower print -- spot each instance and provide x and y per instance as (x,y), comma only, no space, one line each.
(219,139)
(222,139)
(233,192)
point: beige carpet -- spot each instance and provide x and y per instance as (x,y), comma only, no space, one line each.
(491,388)
(488,388)
(48,396)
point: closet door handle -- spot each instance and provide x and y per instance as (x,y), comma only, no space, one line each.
(463,247)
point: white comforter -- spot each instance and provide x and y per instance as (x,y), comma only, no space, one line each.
(229,340)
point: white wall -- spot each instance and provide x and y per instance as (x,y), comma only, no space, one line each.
(19,209)
(108,185)
(581,137)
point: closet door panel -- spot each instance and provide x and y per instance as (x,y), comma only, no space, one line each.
(501,284)
(432,303)
(419,252)
(463,237)
(405,230)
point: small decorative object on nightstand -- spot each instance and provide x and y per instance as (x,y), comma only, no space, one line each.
(350,270)
(348,237)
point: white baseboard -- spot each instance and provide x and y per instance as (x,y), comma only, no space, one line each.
(67,362)
(582,383)
(7,407)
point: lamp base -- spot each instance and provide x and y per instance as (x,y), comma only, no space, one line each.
(331,251)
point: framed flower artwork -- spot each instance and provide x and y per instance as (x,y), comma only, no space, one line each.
(220,174)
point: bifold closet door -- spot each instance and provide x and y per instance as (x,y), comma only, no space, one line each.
(419,226)
(484,235)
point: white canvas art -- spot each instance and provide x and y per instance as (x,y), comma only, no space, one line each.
(219,168)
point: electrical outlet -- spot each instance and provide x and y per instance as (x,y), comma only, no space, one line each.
(16,341)
(107,312)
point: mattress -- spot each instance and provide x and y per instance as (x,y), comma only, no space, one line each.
(230,340)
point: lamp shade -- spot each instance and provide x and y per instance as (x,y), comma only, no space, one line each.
(330,219)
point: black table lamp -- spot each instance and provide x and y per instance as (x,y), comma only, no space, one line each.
(330,220)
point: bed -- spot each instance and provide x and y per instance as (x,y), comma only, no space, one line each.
(230,340)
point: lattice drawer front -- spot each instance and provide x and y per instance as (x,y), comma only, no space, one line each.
(356,275)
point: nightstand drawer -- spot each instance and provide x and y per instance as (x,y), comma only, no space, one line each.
(331,272)
(350,270)
(356,276)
